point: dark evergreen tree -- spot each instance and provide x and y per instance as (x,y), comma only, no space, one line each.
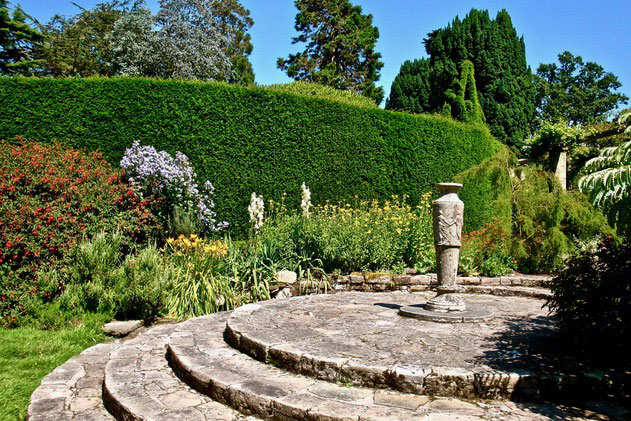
(503,78)
(17,41)
(576,92)
(410,88)
(340,47)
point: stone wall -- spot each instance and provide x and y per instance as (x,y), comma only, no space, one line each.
(375,282)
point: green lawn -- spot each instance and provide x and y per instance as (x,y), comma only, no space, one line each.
(27,354)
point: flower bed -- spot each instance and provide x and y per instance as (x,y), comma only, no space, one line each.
(52,197)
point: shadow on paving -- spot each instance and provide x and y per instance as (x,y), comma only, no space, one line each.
(533,345)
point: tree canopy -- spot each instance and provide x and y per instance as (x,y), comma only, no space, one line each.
(340,47)
(123,37)
(235,21)
(410,89)
(17,41)
(184,40)
(79,45)
(502,76)
(576,91)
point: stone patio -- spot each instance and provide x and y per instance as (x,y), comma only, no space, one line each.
(346,356)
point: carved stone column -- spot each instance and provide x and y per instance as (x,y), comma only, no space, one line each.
(447,306)
(448,211)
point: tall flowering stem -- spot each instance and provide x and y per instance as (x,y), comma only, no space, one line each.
(257,211)
(305,204)
(172,179)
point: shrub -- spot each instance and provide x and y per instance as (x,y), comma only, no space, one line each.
(367,235)
(250,139)
(487,251)
(172,180)
(608,182)
(591,301)
(549,221)
(101,279)
(142,286)
(486,192)
(51,197)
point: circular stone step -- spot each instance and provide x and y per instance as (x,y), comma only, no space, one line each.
(201,358)
(73,390)
(140,386)
(359,338)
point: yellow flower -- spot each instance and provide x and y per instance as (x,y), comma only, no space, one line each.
(193,236)
(171,240)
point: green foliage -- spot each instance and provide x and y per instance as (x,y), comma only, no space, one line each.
(183,221)
(315,90)
(554,137)
(503,78)
(487,251)
(79,45)
(486,192)
(340,47)
(410,89)
(250,139)
(576,91)
(462,98)
(17,41)
(608,183)
(51,197)
(235,21)
(100,278)
(591,301)
(365,236)
(549,221)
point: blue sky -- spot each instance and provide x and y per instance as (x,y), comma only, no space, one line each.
(597,31)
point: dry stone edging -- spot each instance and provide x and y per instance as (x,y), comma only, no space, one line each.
(436,380)
(202,359)
(73,390)
(378,282)
(139,385)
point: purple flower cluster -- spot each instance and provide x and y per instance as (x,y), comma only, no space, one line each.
(173,179)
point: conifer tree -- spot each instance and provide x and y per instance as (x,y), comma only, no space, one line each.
(410,88)
(340,47)
(17,40)
(503,79)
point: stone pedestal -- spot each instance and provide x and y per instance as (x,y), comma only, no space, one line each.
(448,212)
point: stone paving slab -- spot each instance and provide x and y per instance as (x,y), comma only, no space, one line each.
(73,390)
(199,356)
(139,385)
(360,338)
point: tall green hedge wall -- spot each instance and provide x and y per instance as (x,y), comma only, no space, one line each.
(249,139)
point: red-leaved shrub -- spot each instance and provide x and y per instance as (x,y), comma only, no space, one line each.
(51,198)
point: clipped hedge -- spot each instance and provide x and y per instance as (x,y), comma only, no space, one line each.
(250,139)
